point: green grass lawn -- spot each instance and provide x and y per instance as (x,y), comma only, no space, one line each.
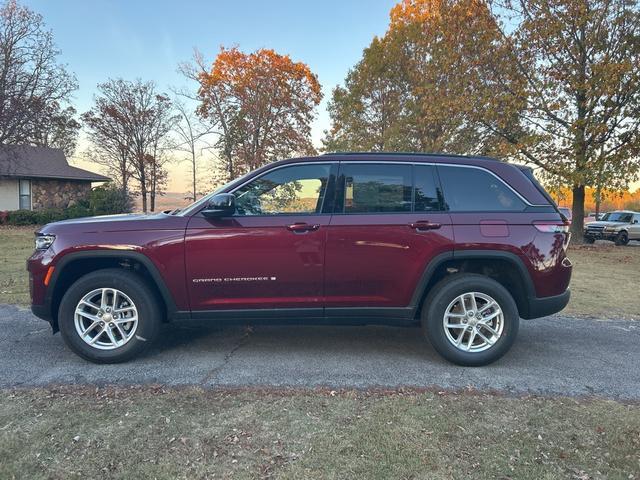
(16,244)
(605,281)
(605,277)
(193,434)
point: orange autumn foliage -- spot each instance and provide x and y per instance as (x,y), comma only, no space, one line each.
(610,200)
(409,12)
(263,104)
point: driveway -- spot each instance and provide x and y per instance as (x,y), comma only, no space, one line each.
(554,355)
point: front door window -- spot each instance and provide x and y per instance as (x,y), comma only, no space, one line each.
(296,190)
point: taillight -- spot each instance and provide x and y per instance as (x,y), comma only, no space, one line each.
(551,227)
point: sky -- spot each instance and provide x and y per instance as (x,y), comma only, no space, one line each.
(146,39)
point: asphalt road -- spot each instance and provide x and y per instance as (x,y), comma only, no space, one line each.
(554,355)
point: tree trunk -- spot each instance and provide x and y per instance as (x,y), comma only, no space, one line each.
(230,160)
(152,193)
(193,160)
(577,208)
(143,188)
(143,192)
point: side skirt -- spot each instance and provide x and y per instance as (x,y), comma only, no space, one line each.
(304,316)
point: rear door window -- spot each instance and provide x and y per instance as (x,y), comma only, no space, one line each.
(468,189)
(374,188)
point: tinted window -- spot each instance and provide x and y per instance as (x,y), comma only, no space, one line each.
(473,190)
(368,188)
(428,197)
(290,190)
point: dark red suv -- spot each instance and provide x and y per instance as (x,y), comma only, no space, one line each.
(463,246)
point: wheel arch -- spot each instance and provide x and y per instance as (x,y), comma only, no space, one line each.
(76,264)
(505,267)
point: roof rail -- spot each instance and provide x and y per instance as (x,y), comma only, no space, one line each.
(421,154)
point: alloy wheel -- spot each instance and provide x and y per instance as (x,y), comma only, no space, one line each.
(473,322)
(106,318)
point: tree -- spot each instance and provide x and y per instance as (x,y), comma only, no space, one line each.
(367,114)
(191,135)
(129,123)
(261,103)
(59,129)
(34,87)
(108,137)
(573,83)
(408,92)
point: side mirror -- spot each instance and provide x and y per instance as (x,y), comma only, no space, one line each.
(220,205)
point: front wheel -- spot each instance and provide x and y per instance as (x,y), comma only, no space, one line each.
(622,238)
(109,316)
(589,240)
(470,319)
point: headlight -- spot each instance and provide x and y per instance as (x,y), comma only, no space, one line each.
(44,241)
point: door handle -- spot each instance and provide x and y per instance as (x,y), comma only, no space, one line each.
(424,225)
(302,227)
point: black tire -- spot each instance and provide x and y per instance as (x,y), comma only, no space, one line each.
(439,298)
(589,240)
(622,238)
(132,285)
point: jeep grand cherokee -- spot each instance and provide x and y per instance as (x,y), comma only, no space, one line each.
(462,246)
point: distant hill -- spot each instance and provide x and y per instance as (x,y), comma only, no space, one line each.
(168,201)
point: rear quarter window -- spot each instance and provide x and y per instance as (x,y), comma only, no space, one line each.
(469,189)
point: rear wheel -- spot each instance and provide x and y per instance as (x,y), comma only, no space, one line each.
(470,319)
(109,316)
(622,238)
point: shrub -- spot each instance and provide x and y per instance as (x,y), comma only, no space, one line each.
(108,200)
(50,215)
(23,217)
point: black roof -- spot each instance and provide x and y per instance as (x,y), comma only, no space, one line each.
(25,161)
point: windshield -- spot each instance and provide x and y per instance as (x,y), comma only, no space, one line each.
(617,217)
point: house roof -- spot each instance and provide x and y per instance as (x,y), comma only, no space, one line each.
(41,162)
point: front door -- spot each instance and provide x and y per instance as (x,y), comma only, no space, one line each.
(270,253)
(388,224)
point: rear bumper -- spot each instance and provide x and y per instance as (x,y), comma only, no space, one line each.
(541,307)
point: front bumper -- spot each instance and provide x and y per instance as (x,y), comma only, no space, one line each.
(601,235)
(38,265)
(543,306)
(42,311)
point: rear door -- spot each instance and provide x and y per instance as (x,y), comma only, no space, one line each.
(388,224)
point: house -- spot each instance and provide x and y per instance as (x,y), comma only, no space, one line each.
(37,178)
